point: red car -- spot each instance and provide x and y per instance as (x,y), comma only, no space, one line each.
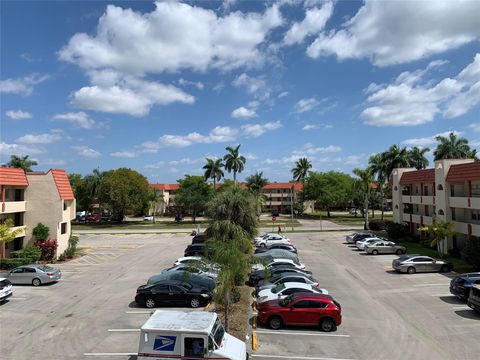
(302,309)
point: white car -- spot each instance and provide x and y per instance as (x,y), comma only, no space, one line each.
(194,269)
(275,262)
(283,290)
(148,218)
(196,260)
(5,289)
(367,241)
(271,239)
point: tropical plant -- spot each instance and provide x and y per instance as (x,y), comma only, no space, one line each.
(471,252)
(94,180)
(366,179)
(234,161)
(22,162)
(193,194)
(41,232)
(440,231)
(416,157)
(300,171)
(7,234)
(453,147)
(156,201)
(378,166)
(213,170)
(255,184)
(396,157)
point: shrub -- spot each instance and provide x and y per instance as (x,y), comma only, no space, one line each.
(471,252)
(235,295)
(376,225)
(30,251)
(14,262)
(396,231)
(72,247)
(41,232)
(48,247)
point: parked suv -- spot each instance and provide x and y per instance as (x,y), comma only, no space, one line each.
(461,285)
(302,309)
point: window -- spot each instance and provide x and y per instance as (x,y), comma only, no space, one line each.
(64,205)
(302,304)
(425,190)
(453,214)
(427,213)
(17,271)
(30,270)
(317,304)
(475,215)
(440,187)
(396,188)
(194,347)
(162,289)
(175,289)
(441,212)
(452,190)
(64,228)
(475,189)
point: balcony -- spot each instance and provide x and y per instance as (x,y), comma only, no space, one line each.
(416,199)
(13,207)
(417,219)
(462,227)
(21,230)
(462,202)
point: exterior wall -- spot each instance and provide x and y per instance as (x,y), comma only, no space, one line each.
(397,194)
(13,206)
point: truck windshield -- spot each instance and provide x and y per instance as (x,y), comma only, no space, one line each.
(218,333)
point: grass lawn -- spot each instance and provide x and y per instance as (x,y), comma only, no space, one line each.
(140,225)
(344,218)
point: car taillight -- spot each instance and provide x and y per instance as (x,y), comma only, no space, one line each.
(50,274)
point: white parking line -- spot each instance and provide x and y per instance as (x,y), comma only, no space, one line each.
(300,333)
(19,298)
(441,295)
(139,312)
(109,354)
(295,357)
(464,307)
(433,284)
(123,330)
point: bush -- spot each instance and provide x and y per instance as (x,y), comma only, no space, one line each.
(396,231)
(376,225)
(235,295)
(14,262)
(239,279)
(41,232)
(72,247)
(48,248)
(471,252)
(30,252)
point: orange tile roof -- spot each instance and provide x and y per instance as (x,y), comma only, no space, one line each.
(284,185)
(63,184)
(13,177)
(462,172)
(165,187)
(418,176)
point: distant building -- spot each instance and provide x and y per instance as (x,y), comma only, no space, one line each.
(450,191)
(37,197)
(168,191)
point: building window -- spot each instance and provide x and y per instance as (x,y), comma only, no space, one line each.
(396,206)
(396,188)
(475,189)
(425,190)
(426,211)
(475,215)
(454,216)
(64,205)
(440,187)
(452,190)
(441,212)
(63,227)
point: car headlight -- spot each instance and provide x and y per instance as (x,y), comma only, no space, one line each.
(205,295)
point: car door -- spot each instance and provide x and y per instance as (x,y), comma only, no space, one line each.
(390,248)
(315,311)
(380,246)
(17,276)
(160,294)
(30,274)
(298,313)
(176,295)
(423,264)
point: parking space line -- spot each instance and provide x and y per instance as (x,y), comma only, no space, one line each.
(441,295)
(139,312)
(110,354)
(432,284)
(296,357)
(301,333)
(123,330)
(464,307)
(19,298)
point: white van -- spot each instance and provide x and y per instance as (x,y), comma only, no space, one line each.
(188,335)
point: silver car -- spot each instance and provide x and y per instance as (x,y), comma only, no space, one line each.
(385,247)
(35,274)
(420,263)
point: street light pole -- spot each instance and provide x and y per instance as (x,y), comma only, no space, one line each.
(291,205)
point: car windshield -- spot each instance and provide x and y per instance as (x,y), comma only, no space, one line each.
(278,288)
(4,283)
(218,332)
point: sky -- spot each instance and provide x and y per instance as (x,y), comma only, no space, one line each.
(161,86)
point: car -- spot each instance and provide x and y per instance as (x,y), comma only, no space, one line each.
(352,211)
(148,218)
(94,217)
(35,274)
(198,239)
(196,260)
(255,276)
(275,213)
(283,290)
(106,217)
(474,299)
(271,239)
(309,309)
(195,250)
(349,238)
(361,236)
(384,247)
(171,293)
(279,262)
(116,218)
(194,269)
(193,279)
(420,263)
(461,285)
(287,247)
(5,289)
(361,243)
(269,255)
(273,282)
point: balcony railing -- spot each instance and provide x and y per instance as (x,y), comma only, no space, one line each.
(418,219)
(417,199)
(465,202)
(21,230)
(462,227)
(13,207)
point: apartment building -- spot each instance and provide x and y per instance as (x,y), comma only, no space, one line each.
(168,191)
(450,191)
(37,197)
(279,196)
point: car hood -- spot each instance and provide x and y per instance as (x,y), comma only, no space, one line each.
(232,348)
(270,304)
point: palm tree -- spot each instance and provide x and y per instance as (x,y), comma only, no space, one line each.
(234,161)
(93,183)
(21,162)
(417,157)
(300,171)
(452,148)
(366,179)
(7,234)
(255,184)
(441,231)
(378,167)
(213,170)
(396,157)
(155,198)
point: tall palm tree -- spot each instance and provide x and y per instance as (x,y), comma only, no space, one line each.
(396,157)
(255,184)
(234,161)
(21,162)
(366,179)
(155,198)
(452,147)
(213,170)
(300,171)
(93,183)
(417,157)
(378,167)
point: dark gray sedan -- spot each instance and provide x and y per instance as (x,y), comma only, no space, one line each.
(420,263)
(35,274)
(384,247)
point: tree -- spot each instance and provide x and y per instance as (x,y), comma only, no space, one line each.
(417,157)
(255,184)
(234,161)
(396,157)
(123,191)
(81,191)
(453,148)
(378,166)
(366,179)
(331,189)
(156,200)
(7,234)
(300,171)
(94,180)
(471,252)
(21,162)
(193,194)
(440,230)
(213,170)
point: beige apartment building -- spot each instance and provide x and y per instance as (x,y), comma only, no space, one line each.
(37,197)
(450,191)
(168,191)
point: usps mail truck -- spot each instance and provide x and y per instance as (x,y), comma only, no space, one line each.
(188,336)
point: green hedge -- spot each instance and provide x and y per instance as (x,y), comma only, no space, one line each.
(14,262)
(30,251)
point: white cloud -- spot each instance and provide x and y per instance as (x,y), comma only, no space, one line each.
(172,37)
(157,165)
(310,127)
(185,161)
(86,152)
(395,32)
(310,149)
(474,127)
(29,58)
(256,130)
(413,100)
(255,85)
(46,138)
(125,154)
(52,162)
(23,86)
(199,85)
(250,156)
(243,113)
(304,105)
(80,119)
(314,22)
(18,114)
(19,149)
(429,140)
(282,94)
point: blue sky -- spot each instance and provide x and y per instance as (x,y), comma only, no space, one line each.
(158,87)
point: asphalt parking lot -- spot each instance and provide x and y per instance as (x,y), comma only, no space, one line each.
(90,313)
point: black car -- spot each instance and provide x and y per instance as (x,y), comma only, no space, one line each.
(195,250)
(256,276)
(287,247)
(198,239)
(461,285)
(175,293)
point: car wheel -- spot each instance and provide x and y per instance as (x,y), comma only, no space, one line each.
(194,303)
(411,270)
(375,252)
(36,282)
(445,268)
(400,252)
(327,325)
(275,322)
(263,246)
(150,303)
